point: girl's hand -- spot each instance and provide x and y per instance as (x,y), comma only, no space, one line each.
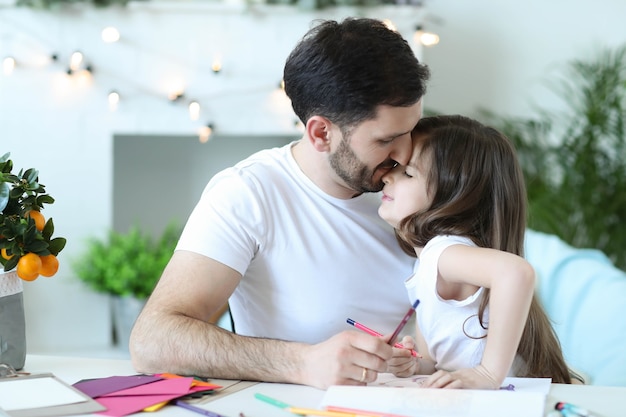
(402,363)
(473,378)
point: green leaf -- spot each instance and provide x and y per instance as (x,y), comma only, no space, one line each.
(44,199)
(11,263)
(48,229)
(16,193)
(4,195)
(7,166)
(39,247)
(31,175)
(56,245)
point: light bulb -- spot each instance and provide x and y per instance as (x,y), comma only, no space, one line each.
(204,133)
(175,95)
(110,34)
(425,38)
(8,65)
(194,110)
(76,60)
(114,99)
(390,25)
(216,66)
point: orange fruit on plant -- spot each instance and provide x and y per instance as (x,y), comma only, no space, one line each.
(5,255)
(40,220)
(49,265)
(28,267)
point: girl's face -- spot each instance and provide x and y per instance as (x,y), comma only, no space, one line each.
(406,188)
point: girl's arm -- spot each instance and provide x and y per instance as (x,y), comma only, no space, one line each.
(511,280)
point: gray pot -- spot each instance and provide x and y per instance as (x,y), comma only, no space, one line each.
(125,312)
(12,322)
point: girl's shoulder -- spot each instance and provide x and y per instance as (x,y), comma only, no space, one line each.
(435,246)
(443,241)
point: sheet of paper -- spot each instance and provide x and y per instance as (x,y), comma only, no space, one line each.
(178,386)
(527,399)
(437,402)
(540,385)
(102,386)
(24,393)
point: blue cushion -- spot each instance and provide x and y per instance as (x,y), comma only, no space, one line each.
(585,296)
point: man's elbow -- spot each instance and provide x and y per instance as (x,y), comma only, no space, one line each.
(141,348)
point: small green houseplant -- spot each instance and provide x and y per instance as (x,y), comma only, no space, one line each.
(126,264)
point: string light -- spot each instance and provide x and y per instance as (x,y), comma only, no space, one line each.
(76,61)
(425,38)
(205,132)
(8,65)
(81,72)
(114,99)
(110,34)
(175,96)
(390,25)
(216,66)
(194,110)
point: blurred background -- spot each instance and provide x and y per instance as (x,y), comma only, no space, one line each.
(128,108)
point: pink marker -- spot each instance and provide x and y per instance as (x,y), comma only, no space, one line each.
(375,333)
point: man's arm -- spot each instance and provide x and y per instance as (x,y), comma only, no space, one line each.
(172,335)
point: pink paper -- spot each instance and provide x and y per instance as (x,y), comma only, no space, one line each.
(102,386)
(178,386)
(125,405)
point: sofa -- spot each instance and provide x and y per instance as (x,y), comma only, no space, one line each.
(585,296)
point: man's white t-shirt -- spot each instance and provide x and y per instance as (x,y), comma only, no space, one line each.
(451,328)
(309,261)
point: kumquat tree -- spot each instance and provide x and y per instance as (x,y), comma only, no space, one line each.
(26,242)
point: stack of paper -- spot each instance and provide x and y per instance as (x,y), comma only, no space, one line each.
(124,395)
(43,395)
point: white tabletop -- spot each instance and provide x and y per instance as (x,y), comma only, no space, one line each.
(602,401)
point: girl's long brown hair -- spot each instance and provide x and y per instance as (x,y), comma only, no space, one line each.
(478,191)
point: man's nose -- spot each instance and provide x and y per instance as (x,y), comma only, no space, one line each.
(402,149)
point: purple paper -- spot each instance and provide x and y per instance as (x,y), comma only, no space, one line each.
(102,386)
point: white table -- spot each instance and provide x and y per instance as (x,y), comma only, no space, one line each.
(603,401)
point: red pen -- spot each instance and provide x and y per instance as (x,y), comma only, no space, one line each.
(375,333)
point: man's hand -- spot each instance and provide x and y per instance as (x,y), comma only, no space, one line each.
(473,378)
(348,358)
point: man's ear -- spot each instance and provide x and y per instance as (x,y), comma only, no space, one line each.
(318,131)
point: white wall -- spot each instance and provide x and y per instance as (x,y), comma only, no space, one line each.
(62,125)
(500,54)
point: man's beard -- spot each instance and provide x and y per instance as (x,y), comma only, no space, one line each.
(349,168)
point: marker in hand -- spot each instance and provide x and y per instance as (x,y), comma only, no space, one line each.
(404,321)
(375,333)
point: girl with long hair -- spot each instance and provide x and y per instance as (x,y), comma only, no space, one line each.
(459,206)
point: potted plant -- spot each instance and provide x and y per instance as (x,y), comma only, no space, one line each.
(126,266)
(27,250)
(574,161)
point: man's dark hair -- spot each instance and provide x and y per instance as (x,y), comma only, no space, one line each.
(344,71)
